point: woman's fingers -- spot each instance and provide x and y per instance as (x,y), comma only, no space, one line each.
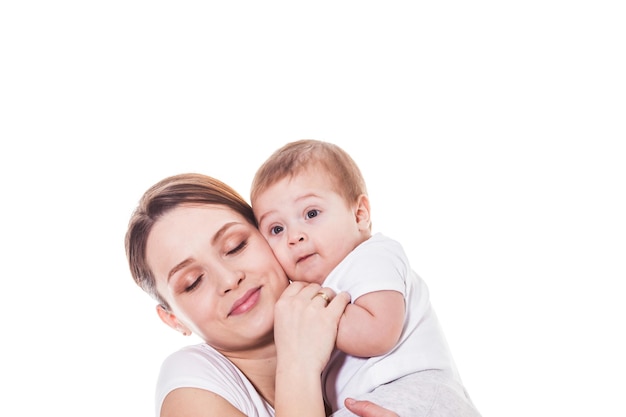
(338,304)
(367,409)
(301,289)
(305,323)
(303,292)
(322,295)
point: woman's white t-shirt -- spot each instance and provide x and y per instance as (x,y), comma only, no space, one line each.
(201,366)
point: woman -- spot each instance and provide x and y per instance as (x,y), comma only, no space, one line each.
(193,245)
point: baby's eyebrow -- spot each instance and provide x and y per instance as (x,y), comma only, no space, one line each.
(264,216)
(307,195)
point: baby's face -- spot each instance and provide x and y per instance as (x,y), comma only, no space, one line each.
(308,225)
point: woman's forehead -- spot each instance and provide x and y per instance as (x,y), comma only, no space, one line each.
(186,224)
(202,212)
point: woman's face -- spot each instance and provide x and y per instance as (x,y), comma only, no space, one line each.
(218,274)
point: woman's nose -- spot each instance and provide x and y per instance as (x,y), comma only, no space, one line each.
(231,280)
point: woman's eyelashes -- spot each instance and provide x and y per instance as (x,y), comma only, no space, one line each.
(194,284)
(237,248)
(192,280)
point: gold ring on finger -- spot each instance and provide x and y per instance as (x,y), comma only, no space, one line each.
(323,295)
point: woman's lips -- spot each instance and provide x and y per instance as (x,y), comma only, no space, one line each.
(246,302)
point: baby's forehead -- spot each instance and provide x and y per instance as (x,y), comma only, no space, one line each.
(320,174)
(314,172)
(330,182)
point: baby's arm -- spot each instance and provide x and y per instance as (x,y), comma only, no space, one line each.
(372,324)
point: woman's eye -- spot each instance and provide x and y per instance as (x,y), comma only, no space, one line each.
(238,248)
(276,230)
(312,213)
(194,284)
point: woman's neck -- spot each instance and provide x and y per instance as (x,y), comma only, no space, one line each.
(260,369)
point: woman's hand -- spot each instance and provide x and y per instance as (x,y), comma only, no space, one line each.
(367,409)
(305,328)
(305,324)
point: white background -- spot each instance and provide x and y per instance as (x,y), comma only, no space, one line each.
(490,133)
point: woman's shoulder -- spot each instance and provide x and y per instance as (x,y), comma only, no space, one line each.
(200,350)
(199,360)
(201,366)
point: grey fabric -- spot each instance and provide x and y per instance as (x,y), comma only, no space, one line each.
(422,394)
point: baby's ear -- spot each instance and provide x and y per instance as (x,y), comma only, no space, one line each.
(362,212)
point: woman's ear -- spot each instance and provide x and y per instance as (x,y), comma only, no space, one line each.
(170,319)
(362,213)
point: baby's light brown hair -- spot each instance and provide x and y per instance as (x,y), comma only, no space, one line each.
(301,155)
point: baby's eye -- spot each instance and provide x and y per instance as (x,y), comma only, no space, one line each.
(276,230)
(312,213)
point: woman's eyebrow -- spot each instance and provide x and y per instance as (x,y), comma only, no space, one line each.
(177,268)
(221,231)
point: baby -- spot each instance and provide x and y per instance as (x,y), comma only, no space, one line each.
(311,204)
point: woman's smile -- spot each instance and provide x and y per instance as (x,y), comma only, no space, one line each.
(246,302)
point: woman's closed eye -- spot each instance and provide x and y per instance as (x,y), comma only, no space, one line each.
(194,284)
(237,248)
